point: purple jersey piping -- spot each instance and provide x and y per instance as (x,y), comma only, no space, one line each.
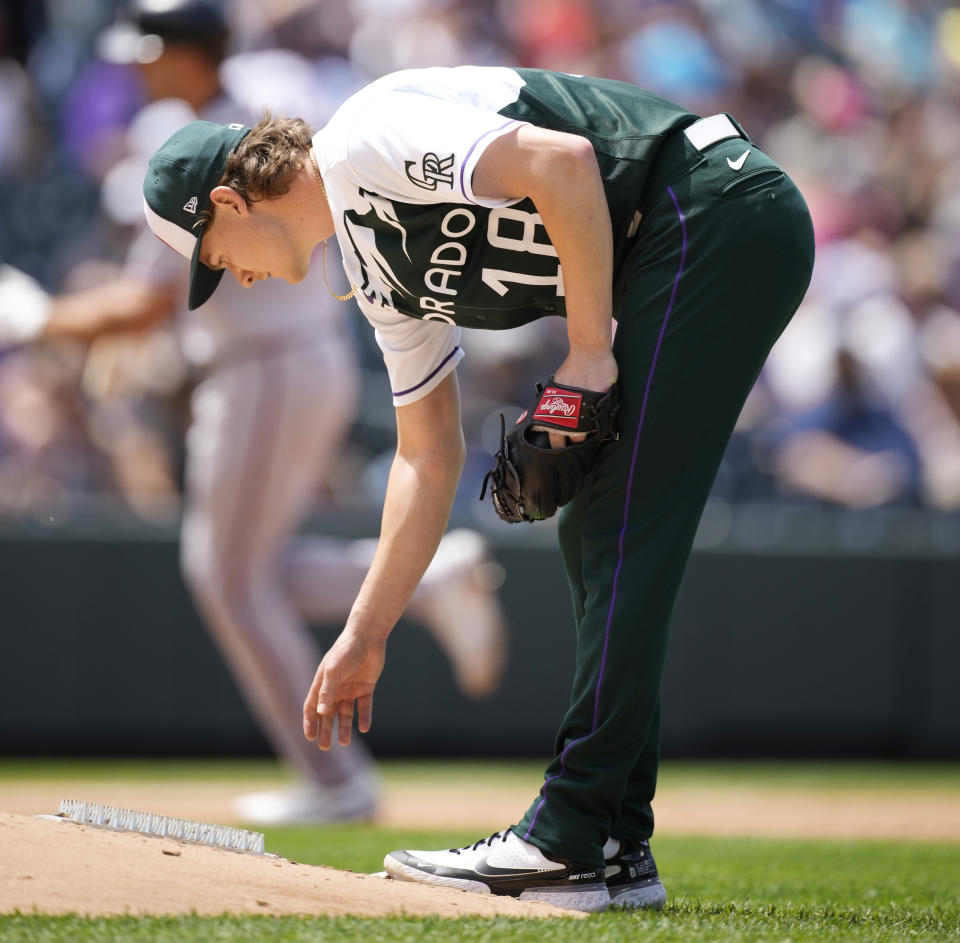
(430,376)
(466,160)
(626,514)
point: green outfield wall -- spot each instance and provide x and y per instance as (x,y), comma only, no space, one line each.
(798,632)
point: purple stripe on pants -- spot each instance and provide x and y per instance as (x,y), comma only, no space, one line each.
(626,511)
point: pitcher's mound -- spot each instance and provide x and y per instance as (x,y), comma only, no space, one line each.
(58,867)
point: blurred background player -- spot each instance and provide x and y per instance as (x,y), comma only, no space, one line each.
(277,392)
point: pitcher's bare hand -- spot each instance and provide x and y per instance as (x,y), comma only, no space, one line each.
(345,678)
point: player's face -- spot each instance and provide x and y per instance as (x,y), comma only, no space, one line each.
(254,241)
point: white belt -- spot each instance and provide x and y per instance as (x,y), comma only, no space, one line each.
(708,131)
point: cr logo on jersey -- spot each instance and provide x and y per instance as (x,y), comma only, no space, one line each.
(433,170)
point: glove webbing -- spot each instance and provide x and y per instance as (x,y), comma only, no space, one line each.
(504,476)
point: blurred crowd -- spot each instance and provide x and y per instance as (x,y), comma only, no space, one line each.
(859,100)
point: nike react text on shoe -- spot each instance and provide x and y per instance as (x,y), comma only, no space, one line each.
(631,875)
(504,864)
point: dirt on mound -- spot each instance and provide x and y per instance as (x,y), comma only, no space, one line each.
(60,867)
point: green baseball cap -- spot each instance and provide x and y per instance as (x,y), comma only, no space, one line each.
(176,191)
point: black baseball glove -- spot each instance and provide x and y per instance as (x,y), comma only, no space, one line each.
(530,480)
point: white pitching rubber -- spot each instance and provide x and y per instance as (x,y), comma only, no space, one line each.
(163,826)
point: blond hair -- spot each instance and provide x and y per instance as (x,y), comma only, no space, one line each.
(265,162)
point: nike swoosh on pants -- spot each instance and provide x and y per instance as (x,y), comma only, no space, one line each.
(739,162)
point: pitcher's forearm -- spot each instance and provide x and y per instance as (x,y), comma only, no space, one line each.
(577,219)
(578,222)
(416,511)
(559,172)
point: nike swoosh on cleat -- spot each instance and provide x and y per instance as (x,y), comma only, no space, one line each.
(739,162)
(481,867)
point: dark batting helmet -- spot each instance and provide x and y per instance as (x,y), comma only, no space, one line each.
(143,27)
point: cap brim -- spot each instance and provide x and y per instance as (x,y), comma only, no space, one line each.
(203,280)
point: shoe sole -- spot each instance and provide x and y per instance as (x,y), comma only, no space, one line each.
(591,898)
(652,896)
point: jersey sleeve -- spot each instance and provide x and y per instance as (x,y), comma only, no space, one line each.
(423,149)
(418,354)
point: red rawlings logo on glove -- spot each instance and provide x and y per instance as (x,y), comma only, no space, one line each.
(559,407)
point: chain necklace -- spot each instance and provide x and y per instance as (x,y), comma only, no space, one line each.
(323,257)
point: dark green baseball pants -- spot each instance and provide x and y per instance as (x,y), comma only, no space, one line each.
(722,261)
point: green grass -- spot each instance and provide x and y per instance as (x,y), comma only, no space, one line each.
(43,769)
(680,923)
(741,890)
(814,776)
(674,774)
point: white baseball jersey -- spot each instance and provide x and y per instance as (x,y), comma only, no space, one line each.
(360,151)
(427,254)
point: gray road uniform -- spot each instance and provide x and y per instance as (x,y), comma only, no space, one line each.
(277,393)
(713,250)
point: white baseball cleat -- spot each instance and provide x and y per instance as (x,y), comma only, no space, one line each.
(632,876)
(506,865)
(457,603)
(309,803)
